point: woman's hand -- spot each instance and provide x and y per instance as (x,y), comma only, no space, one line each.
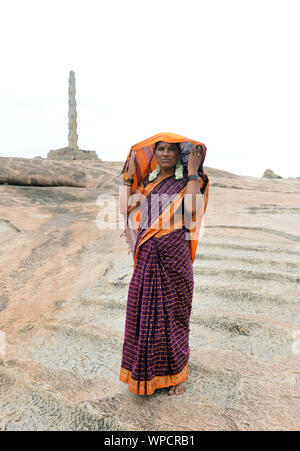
(131,165)
(195,160)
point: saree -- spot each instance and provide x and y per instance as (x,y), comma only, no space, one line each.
(156,349)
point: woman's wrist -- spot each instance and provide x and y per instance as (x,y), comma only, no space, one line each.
(192,172)
(128,187)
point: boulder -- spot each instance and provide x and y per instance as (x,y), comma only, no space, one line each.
(271,174)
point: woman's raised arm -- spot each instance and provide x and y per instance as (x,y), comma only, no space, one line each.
(129,201)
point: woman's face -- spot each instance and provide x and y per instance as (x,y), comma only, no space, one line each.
(166,155)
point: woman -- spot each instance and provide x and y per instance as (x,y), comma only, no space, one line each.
(162,229)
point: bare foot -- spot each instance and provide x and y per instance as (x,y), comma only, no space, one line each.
(178,389)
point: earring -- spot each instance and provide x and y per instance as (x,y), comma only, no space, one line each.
(154,173)
(179,170)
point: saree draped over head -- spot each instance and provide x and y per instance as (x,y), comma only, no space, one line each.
(163,244)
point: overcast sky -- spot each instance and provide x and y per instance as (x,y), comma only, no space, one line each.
(226,73)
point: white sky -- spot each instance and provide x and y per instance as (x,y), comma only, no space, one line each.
(223,72)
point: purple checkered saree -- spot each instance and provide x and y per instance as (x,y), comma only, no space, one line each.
(156,340)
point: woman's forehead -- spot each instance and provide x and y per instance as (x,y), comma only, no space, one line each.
(165,144)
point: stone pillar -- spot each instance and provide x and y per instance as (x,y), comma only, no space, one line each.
(72,152)
(73,137)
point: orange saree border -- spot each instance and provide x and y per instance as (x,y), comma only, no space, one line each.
(149,387)
(157,228)
(161,221)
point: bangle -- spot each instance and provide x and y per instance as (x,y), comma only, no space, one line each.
(192,177)
(128,181)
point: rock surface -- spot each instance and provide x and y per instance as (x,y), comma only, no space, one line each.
(68,153)
(63,291)
(44,172)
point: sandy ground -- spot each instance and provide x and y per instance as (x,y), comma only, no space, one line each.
(63,292)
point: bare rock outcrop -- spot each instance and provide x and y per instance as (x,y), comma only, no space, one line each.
(271,174)
(63,291)
(47,172)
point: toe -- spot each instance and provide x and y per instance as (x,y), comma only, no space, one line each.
(180,389)
(177,389)
(172,391)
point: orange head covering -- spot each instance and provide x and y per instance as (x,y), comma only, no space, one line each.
(145,163)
